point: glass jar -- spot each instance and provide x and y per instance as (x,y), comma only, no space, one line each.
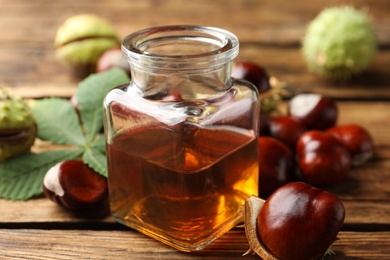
(182,136)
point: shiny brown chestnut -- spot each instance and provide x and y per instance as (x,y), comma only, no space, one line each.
(276,165)
(263,123)
(322,159)
(74,185)
(254,73)
(314,111)
(286,129)
(357,140)
(300,222)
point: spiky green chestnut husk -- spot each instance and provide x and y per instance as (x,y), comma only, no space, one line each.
(82,39)
(17,126)
(339,43)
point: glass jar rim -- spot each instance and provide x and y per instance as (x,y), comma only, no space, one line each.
(224,46)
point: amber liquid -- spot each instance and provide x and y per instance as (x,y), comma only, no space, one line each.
(183,187)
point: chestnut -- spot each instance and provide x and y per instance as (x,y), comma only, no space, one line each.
(286,129)
(322,159)
(263,123)
(357,140)
(314,111)
(299,221)
(276,165)
(74,185)
(254,73)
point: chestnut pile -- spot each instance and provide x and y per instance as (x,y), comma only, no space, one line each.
(304,143)
(300,151)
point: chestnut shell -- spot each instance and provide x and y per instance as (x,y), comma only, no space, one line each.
(73,185)
(300,222)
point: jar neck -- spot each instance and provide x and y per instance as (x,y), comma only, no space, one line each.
(189,85)
(180,58)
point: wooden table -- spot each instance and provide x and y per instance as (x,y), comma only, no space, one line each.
(270,34)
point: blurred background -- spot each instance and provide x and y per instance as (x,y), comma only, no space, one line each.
(270,33)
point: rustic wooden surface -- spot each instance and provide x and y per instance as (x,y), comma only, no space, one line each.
(270,33)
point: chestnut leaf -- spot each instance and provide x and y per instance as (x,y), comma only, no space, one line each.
(90,95)
(58,122)
(95,156)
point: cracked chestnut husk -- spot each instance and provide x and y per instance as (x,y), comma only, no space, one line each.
(18,128)
(252,209)
(81,40)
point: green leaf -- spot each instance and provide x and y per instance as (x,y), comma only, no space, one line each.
(21,177)
(90,95)
(100,143)
(58,122)
(95,156)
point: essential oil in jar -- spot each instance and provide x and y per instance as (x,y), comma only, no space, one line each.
(181,184)
(182,136)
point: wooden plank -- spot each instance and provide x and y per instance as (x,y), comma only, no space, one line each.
(363,215)
(365,245)
(286,64)
(84,244)
(42,213)
(42,210)
(271,22)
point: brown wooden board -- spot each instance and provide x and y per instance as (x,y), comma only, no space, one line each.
(270,33)
(81,244)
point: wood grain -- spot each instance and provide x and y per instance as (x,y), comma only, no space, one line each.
(270,33)
(272,22)
(80,244)
(286,64)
